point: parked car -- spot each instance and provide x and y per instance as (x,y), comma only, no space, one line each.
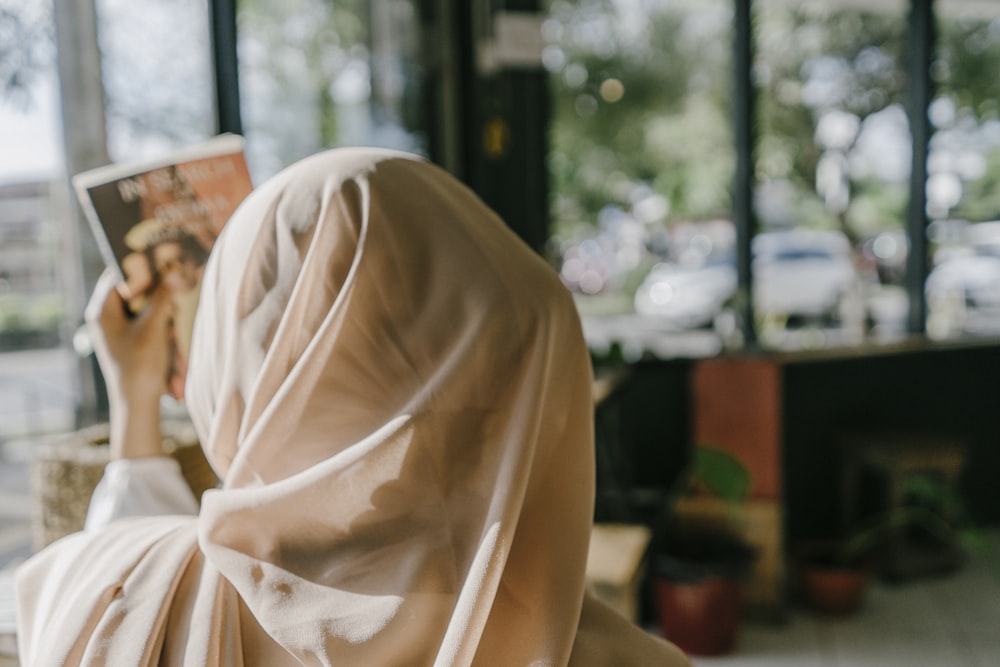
(963,288)
(883,256)
(798,276)
(804,276)
(687,297)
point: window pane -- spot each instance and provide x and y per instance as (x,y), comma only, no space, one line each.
(37,370)
(156,62)
(641,166)
(834,153)
(963,188)
(316,74)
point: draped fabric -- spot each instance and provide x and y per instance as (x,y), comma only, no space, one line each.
(396,394)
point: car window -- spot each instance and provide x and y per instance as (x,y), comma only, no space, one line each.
(800,253)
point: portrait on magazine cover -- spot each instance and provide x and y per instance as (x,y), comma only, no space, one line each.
(157,226)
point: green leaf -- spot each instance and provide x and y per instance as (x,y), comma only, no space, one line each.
(721,473)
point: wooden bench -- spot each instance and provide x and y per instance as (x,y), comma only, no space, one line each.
(616,564)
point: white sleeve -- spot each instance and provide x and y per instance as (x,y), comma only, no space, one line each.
(148,486)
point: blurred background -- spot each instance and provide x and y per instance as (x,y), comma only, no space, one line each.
(607,132)
(630,163)
(708,178)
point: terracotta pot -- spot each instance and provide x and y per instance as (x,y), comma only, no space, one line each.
(703,617)
(828,586)
(699,589)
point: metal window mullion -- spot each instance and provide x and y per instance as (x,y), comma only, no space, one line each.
(920,55)
(743,178)
(222,22)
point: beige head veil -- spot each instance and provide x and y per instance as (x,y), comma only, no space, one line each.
(396,393)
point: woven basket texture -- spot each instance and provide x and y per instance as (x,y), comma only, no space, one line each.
(66,470)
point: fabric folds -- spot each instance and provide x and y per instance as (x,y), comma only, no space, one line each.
(396,394)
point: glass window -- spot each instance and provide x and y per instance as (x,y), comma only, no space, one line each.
(156,63)
(963,186)
(641,165)
(316,74)
(37,370)
(157,84)
(832,172)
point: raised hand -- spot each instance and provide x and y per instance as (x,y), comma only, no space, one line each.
(134,352)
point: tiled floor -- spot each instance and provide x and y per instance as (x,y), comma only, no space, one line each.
(952,621)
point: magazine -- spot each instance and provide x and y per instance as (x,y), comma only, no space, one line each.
(156,222)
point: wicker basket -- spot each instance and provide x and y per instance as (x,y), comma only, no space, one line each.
(66,470)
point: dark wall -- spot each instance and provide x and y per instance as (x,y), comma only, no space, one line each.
(950,391)
(644,429)
(643,440)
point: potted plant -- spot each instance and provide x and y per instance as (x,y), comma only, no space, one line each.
(699,567)
(834,575)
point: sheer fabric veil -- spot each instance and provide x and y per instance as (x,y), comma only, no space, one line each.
(396,394)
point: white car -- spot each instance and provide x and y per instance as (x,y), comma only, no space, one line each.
(798,275)
(803,275)
(687,297)
(963,295)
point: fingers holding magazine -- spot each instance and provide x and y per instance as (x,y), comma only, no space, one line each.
(155,223)
(135,352)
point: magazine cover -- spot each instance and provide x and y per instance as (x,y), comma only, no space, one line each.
(155,223)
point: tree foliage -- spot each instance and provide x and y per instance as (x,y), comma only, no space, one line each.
(665,131)
(25,48)
(156,66)
(817,65)
(291,54)
(843,66)
(965,72)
